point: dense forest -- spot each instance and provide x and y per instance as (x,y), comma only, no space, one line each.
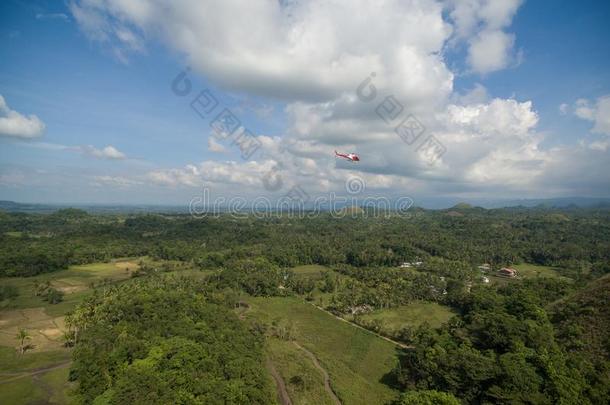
(168,338)
(573,239)
(165,341)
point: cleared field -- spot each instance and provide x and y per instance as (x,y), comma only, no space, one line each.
(310,270)
(14,234)
(533,270)
(34,377)
(46,332)
(413,314)
(41,374)
(14,364)
(47,384)
(73,282)
(358,362)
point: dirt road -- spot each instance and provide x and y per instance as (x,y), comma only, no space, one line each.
(282,393)
(327,386)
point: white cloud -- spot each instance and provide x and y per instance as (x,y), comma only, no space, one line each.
(18,125)
(298,50)
(52,16)
(477,95)
(499,117)
(115,181)
(230,172)
(215,146)
(599,145)
(490,50)
(469,15)
(584,110)
(564,108)
(108,152)
(598,113)
(482,24)
(313,55)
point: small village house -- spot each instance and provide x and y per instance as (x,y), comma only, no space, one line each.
(507,272)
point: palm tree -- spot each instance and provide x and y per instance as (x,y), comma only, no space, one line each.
(23,335)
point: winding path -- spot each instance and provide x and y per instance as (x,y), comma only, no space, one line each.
(282,392)
(36,372)
(327,386)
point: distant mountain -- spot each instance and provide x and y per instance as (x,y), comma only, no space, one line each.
(11,206)
(440,203)
(563,202)
(462,206)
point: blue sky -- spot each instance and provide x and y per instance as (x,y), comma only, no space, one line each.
(108,85)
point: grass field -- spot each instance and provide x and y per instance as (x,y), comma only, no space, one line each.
(532,270)
(357,361)
(45,322)
(12,363)
(40,375)
(310,270)
(34,377)
(304,383)
(50,387)
(413,314)
(14,234)
(73,282)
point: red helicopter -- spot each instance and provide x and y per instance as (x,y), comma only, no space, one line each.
(352,157)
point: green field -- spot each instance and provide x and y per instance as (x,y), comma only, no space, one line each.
(73,282)
(43,321)
(414,314)
(356,360)
(304,383)
(34,376)
(14,234)
(49,387)
(41,373)
(534,270)
(310,270)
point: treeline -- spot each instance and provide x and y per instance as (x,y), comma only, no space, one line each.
(574,239)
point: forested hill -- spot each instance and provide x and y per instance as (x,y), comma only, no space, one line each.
(163,341)
(575,239)
(583,319)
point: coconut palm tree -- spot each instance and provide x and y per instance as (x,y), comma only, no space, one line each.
(23,335)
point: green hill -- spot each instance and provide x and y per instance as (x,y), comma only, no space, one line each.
(462,206)
(583,319)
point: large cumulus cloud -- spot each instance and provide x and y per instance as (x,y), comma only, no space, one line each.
(313,55)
